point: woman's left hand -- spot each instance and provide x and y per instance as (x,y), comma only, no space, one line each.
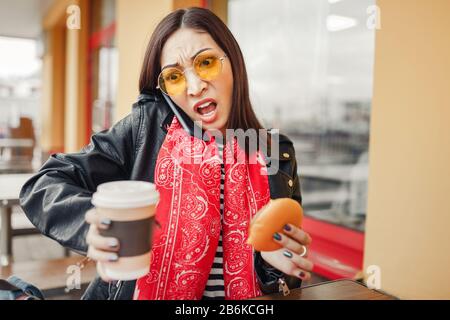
(289,259)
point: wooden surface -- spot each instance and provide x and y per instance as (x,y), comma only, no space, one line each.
(333,290)
(48,274)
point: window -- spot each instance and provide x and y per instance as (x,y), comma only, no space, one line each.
(20,98)
(103,64)
(310,71)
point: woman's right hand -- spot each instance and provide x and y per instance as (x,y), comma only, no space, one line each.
(101,249)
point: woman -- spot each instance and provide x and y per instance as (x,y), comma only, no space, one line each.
(192,58)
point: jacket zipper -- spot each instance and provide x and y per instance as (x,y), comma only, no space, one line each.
(283,287)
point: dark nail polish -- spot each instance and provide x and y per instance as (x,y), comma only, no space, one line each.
(277,236)
(113,258)
(287,254)
(113,243)
(287,227)
(106,222)
(302,274)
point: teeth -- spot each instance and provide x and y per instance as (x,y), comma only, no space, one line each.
(205,105)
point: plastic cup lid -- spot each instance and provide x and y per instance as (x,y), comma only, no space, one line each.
(125,194)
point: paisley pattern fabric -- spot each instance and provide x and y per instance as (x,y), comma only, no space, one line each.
(187,176)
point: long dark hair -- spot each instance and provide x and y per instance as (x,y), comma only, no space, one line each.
(242,115)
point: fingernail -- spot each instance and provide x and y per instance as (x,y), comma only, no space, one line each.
(287,254)
(302,274)
(106,222)
(113,243)
(113,258)
(287,227)
(277,236)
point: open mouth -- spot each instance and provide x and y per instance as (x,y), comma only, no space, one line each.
(207,109)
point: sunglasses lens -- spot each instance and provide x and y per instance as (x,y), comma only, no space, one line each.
(208,66)
(172,81)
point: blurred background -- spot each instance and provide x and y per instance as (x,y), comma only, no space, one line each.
(69,71)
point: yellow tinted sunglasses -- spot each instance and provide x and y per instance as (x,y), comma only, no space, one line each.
(207,66)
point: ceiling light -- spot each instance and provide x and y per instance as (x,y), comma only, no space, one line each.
(338,23)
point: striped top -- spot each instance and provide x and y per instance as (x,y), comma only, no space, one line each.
(215,286)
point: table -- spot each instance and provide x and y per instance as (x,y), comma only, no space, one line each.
(332,290)
(51,276)
(16,143)
(10,185)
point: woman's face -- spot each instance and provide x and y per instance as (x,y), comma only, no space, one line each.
(179,49)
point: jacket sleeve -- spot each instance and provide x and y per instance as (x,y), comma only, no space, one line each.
(266,274)
(58,196)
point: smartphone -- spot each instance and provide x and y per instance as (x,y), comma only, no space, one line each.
(185,121)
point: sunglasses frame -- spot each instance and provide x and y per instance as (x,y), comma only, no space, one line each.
(222,59)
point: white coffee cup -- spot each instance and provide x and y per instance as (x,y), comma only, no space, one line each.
(130,205)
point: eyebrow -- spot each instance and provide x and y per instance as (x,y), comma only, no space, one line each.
(192,58)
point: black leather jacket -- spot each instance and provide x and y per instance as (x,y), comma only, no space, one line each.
(57,197)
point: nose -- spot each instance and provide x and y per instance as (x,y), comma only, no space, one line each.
(195,85)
